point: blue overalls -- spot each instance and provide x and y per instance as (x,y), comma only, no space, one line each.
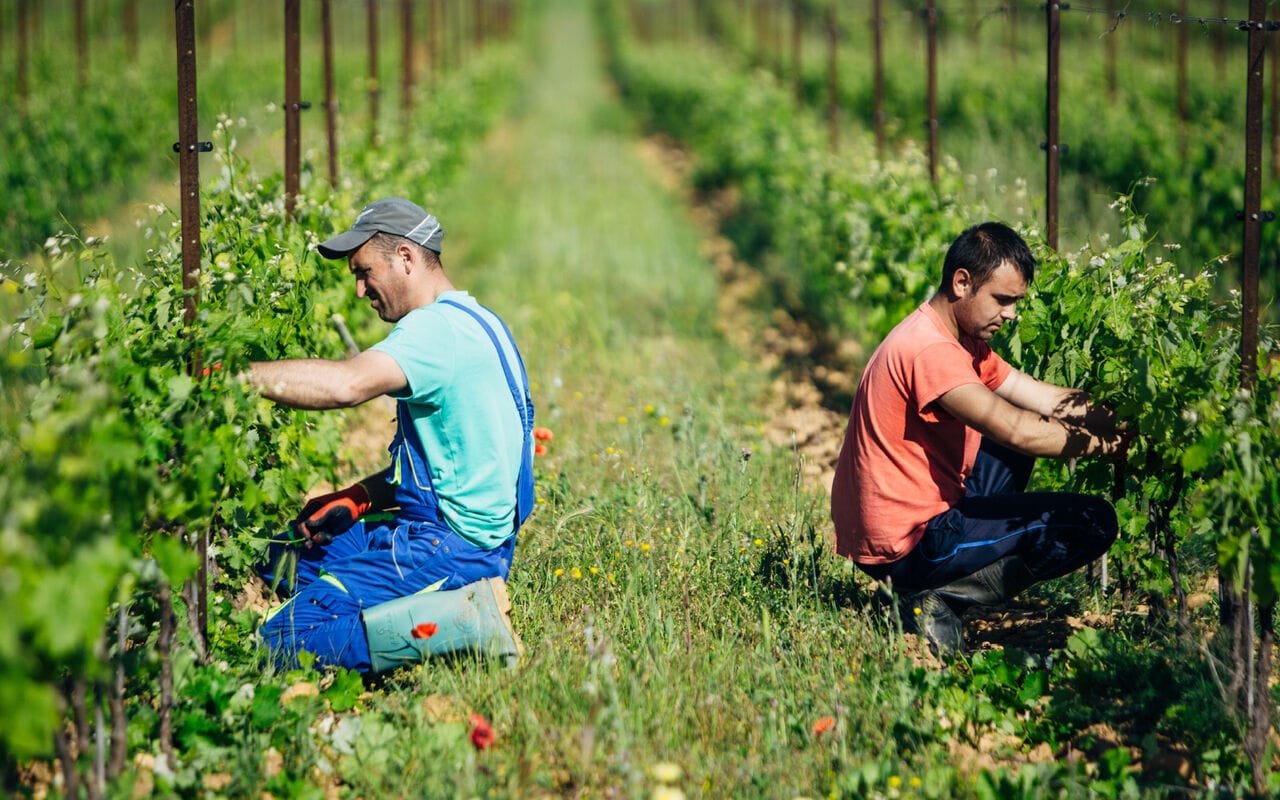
(378,560)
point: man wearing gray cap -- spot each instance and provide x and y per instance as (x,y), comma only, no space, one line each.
(411,561)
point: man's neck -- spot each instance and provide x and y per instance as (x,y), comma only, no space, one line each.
(945,309)
(438,285)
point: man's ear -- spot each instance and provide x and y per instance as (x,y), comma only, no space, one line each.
(406,255)
(961,283)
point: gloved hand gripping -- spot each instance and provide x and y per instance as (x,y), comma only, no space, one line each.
(328,515)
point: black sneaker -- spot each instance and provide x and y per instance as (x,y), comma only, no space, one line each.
(927,614)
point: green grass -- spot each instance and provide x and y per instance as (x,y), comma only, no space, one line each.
(677,598)
(675,589)
(662,586)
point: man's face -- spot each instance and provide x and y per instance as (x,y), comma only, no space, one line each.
(378,278)
(981,311)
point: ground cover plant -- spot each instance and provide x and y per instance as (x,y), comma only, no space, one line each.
(689,632)
(1120,319)
(128,455)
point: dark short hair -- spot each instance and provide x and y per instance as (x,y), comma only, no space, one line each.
(386,243)
(982,249)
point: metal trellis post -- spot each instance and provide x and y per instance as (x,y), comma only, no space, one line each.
(1252,244)
(833,79)
(406,58)
(189,148)
(330,97)
(931,27)
(1053,16)
(371,16)
(292,103)
(877,73)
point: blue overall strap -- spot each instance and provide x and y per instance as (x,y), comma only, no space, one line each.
(524,406)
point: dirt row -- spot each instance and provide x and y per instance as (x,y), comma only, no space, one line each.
(807,405)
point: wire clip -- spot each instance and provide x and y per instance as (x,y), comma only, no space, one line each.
(199,147)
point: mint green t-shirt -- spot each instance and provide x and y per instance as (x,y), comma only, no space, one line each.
(464,413)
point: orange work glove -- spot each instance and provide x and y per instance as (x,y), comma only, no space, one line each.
(328,515)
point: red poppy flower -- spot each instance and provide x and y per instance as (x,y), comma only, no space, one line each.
(481,734)
(425,630)
(542,434)
(823,725)
(539,449)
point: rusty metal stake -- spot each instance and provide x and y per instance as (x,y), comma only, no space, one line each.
(372,18)
(758,32)
(406,59)
(23,54)
(1012,40)
(797,36)
(1252,195)
(434,40)
(129,20)
(1053,18)
(82,45)
(1184,109)
(189,148)
(931,27)
(1113,79)
(292,103)
(833,79)
(1220,40)
(877,73)
(330,96)
(777,12)
(460,33)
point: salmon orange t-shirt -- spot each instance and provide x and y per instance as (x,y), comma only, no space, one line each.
(905,460)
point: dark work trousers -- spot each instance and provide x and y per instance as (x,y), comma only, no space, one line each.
(1053,532)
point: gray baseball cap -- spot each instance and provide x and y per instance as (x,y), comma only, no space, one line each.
(393,215)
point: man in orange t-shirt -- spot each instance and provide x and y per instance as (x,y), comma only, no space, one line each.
(928,493)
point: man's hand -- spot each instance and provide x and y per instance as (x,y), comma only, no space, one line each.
(328,515)
(1121,436)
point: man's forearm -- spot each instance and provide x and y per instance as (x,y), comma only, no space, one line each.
(1050,437)
(1077,408)
(1036,432)
(309,383)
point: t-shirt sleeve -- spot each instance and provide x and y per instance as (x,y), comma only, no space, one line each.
(993,370)
(422,343)
(936,370)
